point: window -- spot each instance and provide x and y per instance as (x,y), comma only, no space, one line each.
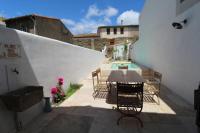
(115,30)
(23,28)
(108,31)
(121,30)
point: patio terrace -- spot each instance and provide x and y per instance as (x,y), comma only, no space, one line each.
(172,52)
(82,113)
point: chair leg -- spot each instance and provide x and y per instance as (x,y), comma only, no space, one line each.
(119,119)
(140,121)
(158,97)
(110,85)
(95,94)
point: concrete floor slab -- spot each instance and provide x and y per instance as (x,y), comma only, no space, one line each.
(173,115)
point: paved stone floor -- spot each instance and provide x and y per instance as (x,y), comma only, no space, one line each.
(87,114)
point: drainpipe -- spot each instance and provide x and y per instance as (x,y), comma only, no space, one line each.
(92,44)
(7,82)
(34,24)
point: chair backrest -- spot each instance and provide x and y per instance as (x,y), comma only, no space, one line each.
(98,71)
(94,76)
(130,90)
(123,67)
(158,76)
(148,73)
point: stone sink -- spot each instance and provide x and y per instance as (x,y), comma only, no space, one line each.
(21,99)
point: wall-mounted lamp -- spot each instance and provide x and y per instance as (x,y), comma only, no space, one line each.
(179,25)
(15,71)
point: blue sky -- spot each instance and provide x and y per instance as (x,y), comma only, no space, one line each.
(80,16)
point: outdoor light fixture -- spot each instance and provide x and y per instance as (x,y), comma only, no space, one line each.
(179,25)
(15,71)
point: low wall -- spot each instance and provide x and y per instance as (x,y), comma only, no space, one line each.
(42,61)
(87,43)
(99,43)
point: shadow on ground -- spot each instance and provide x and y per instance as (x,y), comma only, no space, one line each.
(99,119)
(88,119)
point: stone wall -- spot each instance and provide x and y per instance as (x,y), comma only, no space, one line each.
(51,28)
(54,29)
(126,40)
(87,43)
(99,43)
(25,22)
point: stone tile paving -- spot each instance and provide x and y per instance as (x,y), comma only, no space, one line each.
(173,115)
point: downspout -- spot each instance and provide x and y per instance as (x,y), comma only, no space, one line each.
(34,24)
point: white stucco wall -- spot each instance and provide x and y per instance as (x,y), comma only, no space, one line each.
(128,32)
(42,61)
(175,53)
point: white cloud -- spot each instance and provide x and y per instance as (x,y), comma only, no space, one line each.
(93,18)
(68,21)
(110,11)
(84,25)
(129,17)
(93,11)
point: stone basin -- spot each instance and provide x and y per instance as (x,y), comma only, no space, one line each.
(21,99)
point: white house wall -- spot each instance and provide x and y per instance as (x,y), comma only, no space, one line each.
(174,53)
(42,61)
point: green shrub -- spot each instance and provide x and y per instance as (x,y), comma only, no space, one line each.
(72,89)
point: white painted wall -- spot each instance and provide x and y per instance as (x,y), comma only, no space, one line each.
(128,32)
(42,61)
(2,24)
(175,53)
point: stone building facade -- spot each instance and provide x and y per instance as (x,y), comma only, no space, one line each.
(124,34)
(41,25)
(118,31)
(91,41)
(98,43)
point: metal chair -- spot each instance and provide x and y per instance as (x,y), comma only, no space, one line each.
(97,86)
(130,100)
(147,73)
(102,77)
(153,84)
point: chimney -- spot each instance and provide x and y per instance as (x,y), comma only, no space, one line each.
(122,22)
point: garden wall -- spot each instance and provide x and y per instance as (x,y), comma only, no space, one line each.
(40,61)
(99,43)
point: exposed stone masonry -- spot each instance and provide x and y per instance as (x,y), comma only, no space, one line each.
(99,43)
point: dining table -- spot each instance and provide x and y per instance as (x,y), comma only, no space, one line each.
(123,76)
